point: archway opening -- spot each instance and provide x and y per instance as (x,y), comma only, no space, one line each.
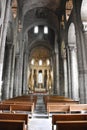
(40,70)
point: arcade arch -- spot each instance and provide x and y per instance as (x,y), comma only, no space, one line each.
(40,70)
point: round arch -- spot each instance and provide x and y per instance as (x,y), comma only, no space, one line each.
(40,69)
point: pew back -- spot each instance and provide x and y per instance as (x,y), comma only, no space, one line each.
(71,125)
(68,117)
(78,107)
(16,116)
(12,125)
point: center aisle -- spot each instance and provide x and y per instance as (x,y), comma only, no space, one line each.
(40,120)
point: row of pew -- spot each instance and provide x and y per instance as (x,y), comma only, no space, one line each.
(69,122)
(71,115)
(63,105)
(15,112)
(24,103)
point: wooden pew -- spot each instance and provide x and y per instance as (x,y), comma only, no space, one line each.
(52,103)
(16,116)
(78,108)
(23,98)
(12,108)
(20,103)
(5,107)
(12,125)
(71,125)
(59,108)
(52,98)
(67,117)
(21,107)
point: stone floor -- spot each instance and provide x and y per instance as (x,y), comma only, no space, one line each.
(40,120)
(40,124)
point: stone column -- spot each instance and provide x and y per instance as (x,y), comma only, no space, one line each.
(7,71)
(74,73)
(3,40)
(82,50)
(65,72)
(56,74)
(63,55)
(69,72)
(16,77)
(13,57)
(21,57)
(65,78)
(25,74)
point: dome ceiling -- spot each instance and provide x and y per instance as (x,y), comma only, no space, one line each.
(40,53)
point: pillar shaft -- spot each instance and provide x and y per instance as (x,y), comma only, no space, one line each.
(74,74)
(65,78)
(7,72)
(16,77)
(56,74)
(25,78)
(3,40)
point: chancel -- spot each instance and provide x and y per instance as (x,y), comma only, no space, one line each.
(43,59)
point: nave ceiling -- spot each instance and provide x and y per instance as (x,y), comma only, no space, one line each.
(41,13)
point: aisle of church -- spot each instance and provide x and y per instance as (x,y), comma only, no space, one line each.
(40,124)
(40,120)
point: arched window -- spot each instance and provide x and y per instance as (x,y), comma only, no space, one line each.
(40,62)
(40,77)
(45,30)
(36,29)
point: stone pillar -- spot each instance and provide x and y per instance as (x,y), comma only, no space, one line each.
(56,74)
(21,57)
(3,40)
(74,73)
(65,78)
(63,55)
(7,72)
(16,77)
(81,52)
(65,75)
(13,57)
(85,69)
(69,72)
(25,74)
